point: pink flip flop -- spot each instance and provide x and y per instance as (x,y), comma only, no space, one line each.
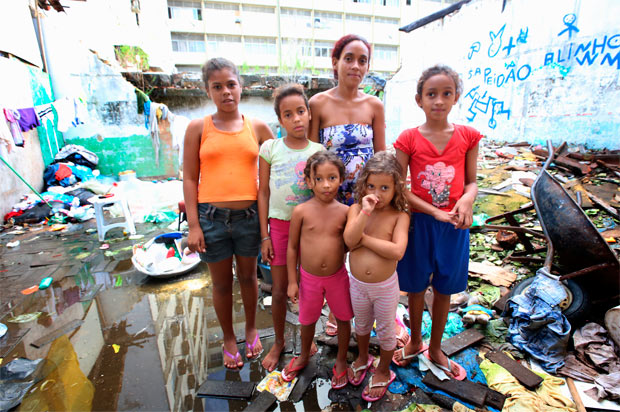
(360,368)
(462,372)
(372,386)
(406,359)
(236,357)
(251,346)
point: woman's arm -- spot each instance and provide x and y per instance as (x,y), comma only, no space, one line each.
(191,172)
(264,172)
(315,120)
(464,206)
(261,131)
(378,125)
(417,203)
(391,249)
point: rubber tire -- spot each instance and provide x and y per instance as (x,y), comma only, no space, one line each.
(577,310)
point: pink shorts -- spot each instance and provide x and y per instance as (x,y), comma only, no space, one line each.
(278,230)
(334,288)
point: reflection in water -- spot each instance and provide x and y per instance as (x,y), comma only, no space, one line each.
(145,344)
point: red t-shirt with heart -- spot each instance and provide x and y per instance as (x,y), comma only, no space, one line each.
(438,178)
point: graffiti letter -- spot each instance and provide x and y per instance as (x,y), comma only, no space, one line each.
(496,42)
(499,81)
(487,73)
(509,47)
(614,41)
(521,76)
(523,35)
(475,48)
(586,55)
(611,61)
(548,58)
(595,45)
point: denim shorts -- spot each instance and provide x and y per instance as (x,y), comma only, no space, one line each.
(229,232)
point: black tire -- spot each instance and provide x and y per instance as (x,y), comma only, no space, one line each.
(577,304)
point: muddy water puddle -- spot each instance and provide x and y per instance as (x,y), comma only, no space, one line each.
(135,343)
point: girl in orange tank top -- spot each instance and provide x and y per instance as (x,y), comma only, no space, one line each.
(220,190)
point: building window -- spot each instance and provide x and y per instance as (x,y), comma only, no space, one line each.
(221,6)
(260,46)
(188,43)
(324,20)
(296,17)
(385,53)
(259,9)
(224,46)
(355,17)
(323,49)
(297,47)
(384,20)
(363,1)
(184,10)
(392,3)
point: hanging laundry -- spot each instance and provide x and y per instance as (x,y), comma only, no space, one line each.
(12,117)
(164,111)
(5,135)
(45,112)
(28,119)
(147,113)
(178,126)
(154,129)
(142,98)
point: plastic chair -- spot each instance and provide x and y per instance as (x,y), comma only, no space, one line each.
(102,226)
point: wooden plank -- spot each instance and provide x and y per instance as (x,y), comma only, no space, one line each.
(91,293)
(262,402)
(465,390)
(10,341)
(57,333)
(525,376)
(461,341)
(305,378)
(494,398)
(226,389)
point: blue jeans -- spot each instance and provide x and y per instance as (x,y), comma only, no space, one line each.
(229,232)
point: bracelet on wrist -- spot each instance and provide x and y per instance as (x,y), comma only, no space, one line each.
(365,212)
(265,238)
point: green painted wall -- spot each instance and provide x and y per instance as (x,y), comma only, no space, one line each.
(117,154)
(50,138)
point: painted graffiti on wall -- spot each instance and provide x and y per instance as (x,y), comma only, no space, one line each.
(506,58)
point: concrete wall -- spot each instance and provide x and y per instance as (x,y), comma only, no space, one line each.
(537,70)
(114,129)
(23,86)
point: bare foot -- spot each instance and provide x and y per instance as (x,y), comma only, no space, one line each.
(313,349)
(253,345)
(441,359)
(357,364)
(273,357)
(232,357)
(294,367)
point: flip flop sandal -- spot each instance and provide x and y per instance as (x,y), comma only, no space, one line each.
(406,359)
(236,357)
(338,377)
(331,329)
(366,396)
(292,372)
(361,368)
(251,346)
(402,337)
(462,372)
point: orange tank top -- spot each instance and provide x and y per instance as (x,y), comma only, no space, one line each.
(228,164)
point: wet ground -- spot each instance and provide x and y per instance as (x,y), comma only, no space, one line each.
(134,342)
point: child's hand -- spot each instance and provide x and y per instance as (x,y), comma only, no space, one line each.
(369,202)
(266,250)
(463,209)
(293,292)
(196,241)
(448,217)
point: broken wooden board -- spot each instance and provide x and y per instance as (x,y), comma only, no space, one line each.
(57,333)
(466,390)
(91,293)
(11,340)
(459,342)
(525,376)
(262,402)
(304,379)
(494,398)
(226,389)
(495,275)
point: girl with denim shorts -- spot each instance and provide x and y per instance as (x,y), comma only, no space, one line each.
(220,190)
